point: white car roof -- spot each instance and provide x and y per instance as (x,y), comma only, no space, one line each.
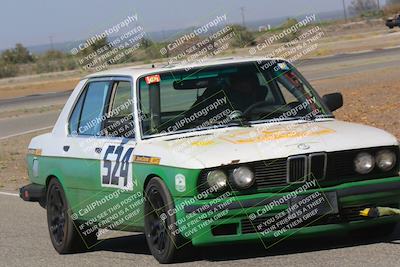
(136,71)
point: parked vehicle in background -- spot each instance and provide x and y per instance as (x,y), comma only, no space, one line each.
(393,21)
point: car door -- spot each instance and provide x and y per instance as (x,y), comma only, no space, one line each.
(102,138)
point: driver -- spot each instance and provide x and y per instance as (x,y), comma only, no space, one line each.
(245,90)
(240,92)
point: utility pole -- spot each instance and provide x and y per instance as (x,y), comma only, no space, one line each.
(379,4)
(243,20)
(51,42)
(345,10)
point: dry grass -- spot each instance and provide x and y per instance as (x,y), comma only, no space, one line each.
(13,171)
(22,112)
(371,98)
(390,10)
(29,88)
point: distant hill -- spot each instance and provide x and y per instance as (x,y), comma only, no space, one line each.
(170,34)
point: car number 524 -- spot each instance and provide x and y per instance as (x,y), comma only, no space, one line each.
(116,166)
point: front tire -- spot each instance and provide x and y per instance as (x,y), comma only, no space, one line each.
(159,226)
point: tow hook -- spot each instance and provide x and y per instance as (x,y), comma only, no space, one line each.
(376,212)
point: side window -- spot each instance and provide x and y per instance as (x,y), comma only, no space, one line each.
(74,119)
(87,116)
(120,122)
(122,102)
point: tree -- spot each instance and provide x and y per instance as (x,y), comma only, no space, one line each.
(53,54)
(19,54)
(359,7)
(93,47)
(393,2)
(98,44)
(290,22)
(8,70)
(243,37)
(146,43)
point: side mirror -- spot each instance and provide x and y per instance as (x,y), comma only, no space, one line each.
(333,101)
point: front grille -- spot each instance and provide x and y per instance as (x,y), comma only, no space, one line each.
(270,173)
(317,165)
(297,169)
(329,167)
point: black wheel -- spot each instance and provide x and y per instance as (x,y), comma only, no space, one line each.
(162,239)
(63,234)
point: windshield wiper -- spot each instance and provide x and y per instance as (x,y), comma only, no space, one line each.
(240,122)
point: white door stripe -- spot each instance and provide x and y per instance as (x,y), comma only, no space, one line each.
(9,194)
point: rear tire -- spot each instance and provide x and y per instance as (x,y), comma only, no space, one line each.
(63,234)
(159,229)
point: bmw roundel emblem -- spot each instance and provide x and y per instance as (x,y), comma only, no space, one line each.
(303,146)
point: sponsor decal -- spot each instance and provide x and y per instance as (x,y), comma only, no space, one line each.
(152,79)
(203,143)
(180,182)
(36,152)
(245,137)
(147,159)
(283,66)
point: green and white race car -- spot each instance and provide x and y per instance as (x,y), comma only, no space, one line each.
(231,150)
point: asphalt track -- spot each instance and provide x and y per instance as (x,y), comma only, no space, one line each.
(25,242)
(313,69)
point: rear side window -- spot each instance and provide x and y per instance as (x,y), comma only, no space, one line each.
(122,103)
(87,116)
(120,122)
(74,119)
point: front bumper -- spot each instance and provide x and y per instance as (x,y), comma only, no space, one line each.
(231,219)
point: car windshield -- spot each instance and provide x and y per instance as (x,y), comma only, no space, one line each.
(226,95)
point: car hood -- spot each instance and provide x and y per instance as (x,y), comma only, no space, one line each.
(260,142)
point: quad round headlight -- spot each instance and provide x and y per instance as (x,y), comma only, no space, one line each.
(385,160)
(243,177)
(217,179)
(364,163)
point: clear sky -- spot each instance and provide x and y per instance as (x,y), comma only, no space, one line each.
(31,22)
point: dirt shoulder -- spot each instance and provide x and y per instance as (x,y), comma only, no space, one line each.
(371,98)
(13,168)
(18,89)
